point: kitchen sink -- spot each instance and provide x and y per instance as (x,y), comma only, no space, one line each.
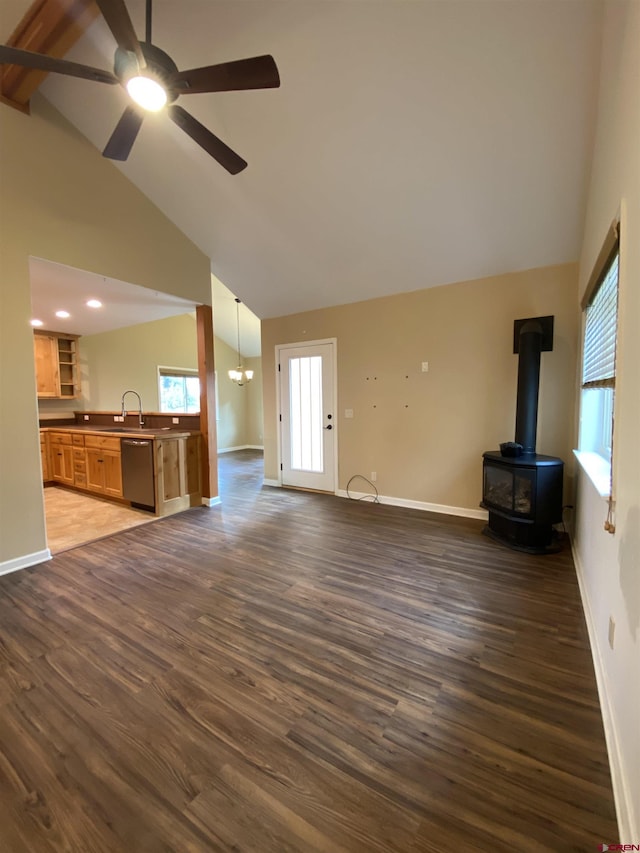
(137,430)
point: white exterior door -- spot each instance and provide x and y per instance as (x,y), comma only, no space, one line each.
(308,415)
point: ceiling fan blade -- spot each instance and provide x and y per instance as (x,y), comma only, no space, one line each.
(258,72)
(123,137)
(28,59)
(231,161)
(117,18)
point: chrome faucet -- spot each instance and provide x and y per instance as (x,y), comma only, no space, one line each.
(140,419)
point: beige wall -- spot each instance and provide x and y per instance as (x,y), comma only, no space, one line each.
(609,566)
(113,362)
(60,200)
(255,415)
(424,433)
(239,417)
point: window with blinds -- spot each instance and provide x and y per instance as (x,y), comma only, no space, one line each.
(599,355)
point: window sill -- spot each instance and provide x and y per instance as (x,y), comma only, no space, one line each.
(597,469)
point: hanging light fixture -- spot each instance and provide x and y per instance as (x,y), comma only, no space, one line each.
(240,376)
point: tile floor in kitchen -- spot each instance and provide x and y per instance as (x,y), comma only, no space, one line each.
(74,518)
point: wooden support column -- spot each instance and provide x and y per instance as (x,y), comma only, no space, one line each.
(206,373)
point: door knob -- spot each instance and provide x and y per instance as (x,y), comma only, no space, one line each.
(329,427)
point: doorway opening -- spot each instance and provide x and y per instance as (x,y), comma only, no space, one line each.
(121,332)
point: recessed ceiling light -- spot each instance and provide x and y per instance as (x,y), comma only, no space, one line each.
(94,303)
(37,323)
(63,314)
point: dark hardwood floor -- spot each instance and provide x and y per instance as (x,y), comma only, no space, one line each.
(298,672)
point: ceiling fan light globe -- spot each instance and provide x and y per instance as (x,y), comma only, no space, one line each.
(147,93)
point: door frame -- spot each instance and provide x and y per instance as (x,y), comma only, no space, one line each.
(295,345)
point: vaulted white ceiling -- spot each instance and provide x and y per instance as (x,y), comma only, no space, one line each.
(412,143)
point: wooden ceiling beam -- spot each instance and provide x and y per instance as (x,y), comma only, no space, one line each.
(50,27)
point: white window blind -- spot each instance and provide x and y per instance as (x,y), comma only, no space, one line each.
(599,358)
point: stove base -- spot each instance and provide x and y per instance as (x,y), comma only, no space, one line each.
(522,536)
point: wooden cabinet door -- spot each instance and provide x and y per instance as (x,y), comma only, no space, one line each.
(68,464)
(57,462)
(45,350)
(62,463)
(104,471)
(95,470)
(112,473)
(44,458)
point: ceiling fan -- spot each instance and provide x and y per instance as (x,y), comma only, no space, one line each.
(154,82)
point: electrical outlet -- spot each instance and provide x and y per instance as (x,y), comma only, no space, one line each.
(175,420)
(86,417)
(425,366)
(116,418)
(612,630)
(374,476)
(348,413)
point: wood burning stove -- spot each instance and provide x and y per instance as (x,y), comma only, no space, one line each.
(524,499)
(522,490)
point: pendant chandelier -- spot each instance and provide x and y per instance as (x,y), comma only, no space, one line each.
(239,375)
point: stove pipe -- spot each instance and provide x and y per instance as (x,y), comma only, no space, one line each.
(529,348)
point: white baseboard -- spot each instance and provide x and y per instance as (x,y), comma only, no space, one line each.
(443,509)
(240,447)
(25,561)
(621,794)
(211,501)
(463,512)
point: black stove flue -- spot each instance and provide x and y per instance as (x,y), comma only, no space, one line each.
(522,490)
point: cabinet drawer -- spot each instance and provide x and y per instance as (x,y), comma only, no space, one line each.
(60,438)
(77,439)
(101,442)
(79,456)
(79,478)
(79,466)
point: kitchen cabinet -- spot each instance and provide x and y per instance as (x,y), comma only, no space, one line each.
(79,467)
(45,350)
(103,465)
(44,457)
(56,361)
(61,457)
(92,461)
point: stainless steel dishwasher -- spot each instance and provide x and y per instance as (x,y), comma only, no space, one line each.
(137,472)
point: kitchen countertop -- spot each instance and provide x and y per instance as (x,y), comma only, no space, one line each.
(122,431)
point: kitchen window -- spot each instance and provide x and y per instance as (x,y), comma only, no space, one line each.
(178,390)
